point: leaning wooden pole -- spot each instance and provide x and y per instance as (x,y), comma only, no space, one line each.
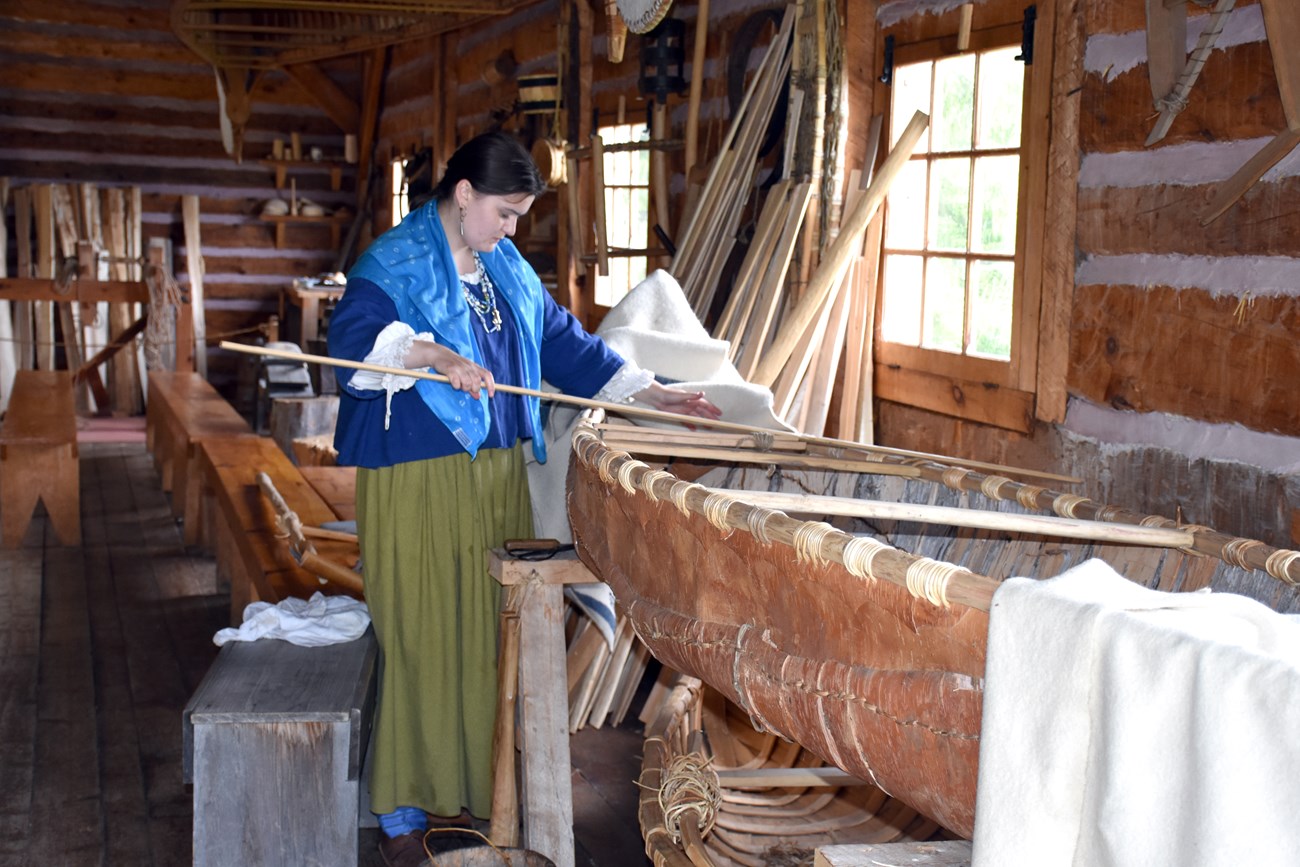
(846,245)
(626,409)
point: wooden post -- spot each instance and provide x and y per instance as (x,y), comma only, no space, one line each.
(505,794)
(697,86)
(43,208)
(8,355)
(194,265)
(546,795)
(598,201)
(23,309)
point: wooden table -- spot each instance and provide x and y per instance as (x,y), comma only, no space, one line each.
(38,456)
(308,301)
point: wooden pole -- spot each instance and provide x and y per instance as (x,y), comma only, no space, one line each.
(194,265)
(697,86)
(598,201)
(659,415)
(1042,525)
(846,245)
(505,793)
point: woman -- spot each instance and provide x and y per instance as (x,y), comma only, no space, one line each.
(441,477)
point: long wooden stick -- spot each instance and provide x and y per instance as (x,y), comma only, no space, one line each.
(627,409)
(1066,528)
(836,261)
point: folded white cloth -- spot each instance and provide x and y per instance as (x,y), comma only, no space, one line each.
(1126,726)
(311,622)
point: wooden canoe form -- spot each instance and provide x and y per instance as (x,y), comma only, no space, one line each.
(862,669)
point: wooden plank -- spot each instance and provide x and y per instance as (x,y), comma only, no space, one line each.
(1245,177)
(942,853)
(194,268)
(546,790)
(1059,219)
(831,270)
(328,96)
(43,212)
(8,349)
(1166,28)
(976,401)
(1283,28)
(563,568)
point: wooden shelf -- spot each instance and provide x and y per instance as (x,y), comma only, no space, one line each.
(283,167)
(334,221)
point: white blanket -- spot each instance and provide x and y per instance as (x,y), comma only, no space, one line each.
(1125,726)
(655,327)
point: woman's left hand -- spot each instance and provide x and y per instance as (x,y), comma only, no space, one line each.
(668,399)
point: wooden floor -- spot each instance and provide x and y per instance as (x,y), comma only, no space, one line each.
(100,648)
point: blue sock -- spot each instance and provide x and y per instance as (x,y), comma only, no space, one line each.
(403,820)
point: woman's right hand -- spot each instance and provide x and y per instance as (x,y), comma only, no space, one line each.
(463,374)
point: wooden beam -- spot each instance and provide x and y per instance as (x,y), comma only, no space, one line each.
(83,291)
(321,89)
(1283,27)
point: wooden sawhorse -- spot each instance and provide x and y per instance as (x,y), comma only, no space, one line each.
(533,666)
(38,456)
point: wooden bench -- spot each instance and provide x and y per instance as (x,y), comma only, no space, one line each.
(38,456)
(274,742)
(241,523)
(183,410)
(337,486)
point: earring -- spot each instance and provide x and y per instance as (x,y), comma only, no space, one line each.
(462,224)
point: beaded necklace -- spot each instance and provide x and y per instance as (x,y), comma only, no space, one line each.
(487,305)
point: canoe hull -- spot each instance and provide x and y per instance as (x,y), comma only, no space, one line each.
(869,678)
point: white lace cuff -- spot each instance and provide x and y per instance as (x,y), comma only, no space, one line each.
(629,380)
(390,350)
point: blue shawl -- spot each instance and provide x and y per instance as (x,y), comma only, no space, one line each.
(413,265)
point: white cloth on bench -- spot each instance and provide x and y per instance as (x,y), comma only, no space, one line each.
(1126,726)
(312,622)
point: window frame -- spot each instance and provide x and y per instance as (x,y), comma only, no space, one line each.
(991,391)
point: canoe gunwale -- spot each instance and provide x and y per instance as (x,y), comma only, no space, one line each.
(964,587)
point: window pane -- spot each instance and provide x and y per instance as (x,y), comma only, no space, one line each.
(905,212)
(911,93)
(990,314)
(997,180)
(945,304)
(639,218)
(1002,82)
(901,316)
(949,204)
(640,171)
(954,103)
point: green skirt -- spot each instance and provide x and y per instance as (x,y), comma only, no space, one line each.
(425,530)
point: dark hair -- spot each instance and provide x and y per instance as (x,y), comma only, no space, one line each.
(494,163)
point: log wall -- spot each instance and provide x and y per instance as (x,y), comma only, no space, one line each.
(103,93)
(1169,318)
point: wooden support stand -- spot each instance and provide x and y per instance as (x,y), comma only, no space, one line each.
(536,590)
(274,741)
(38,456)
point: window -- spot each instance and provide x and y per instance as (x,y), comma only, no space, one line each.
(958,302)
(401,202)
(627,211)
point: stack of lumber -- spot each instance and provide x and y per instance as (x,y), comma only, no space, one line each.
(64,231)
(602,682)
(710,234)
